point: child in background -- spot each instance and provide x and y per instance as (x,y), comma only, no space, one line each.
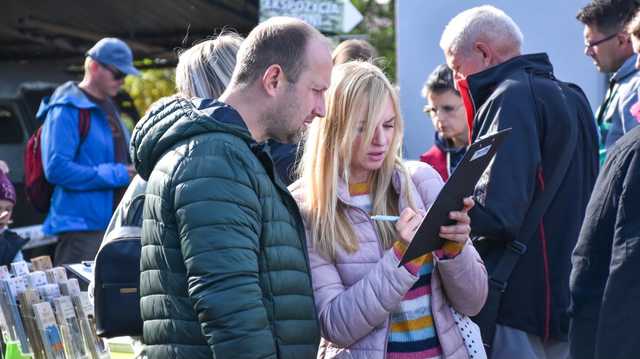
(10,242)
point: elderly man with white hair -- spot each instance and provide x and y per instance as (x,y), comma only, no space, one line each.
(531,201)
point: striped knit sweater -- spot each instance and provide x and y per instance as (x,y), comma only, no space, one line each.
(412,334)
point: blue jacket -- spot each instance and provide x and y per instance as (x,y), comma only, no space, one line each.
(83,171)
(615,118)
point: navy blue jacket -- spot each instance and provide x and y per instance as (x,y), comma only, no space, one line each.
(523,94)
(605,280)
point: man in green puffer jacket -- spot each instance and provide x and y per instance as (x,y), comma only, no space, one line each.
(224,269)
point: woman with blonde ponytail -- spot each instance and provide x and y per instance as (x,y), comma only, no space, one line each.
(369,305)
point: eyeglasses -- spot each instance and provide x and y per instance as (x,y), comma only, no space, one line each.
(590,45)
(445,109)
(117,74)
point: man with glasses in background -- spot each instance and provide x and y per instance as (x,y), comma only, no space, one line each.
(86,160)
(609,45)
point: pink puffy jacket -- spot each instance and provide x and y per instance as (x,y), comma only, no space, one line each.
(355,293)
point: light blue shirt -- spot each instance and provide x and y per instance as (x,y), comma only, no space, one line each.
(626,83)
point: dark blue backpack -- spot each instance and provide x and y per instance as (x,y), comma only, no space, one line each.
(117,277)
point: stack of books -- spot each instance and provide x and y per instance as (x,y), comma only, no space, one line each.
(46,314)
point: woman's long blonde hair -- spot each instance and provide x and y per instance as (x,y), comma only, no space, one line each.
(357,95)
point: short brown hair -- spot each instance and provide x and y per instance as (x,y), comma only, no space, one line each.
(607,15)
(279,40)
(633,27)
(353,49)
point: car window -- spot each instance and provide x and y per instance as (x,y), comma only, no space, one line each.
(10,129)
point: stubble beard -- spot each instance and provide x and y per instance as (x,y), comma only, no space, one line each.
(280,122)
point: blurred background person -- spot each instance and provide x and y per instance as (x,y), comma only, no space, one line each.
(369,305)
(89,171)
(445,108)
(4,167)
(203,71)
(609,45)
(606,261)
(353,49)
(634,30)
(10,242)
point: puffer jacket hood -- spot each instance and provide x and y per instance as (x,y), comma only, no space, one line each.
(175,119)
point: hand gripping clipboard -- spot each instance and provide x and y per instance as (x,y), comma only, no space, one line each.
(460,185)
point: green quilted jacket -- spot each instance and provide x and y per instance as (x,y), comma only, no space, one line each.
(224,267)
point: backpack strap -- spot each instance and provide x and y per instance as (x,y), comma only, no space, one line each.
(516,248)
(85,122)
(132,216)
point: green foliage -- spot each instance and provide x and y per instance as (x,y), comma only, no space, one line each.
(149,87)
(379,26)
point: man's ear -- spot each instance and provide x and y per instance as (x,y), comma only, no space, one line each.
(94,66)
(485,52)
(624,38)
(273,79)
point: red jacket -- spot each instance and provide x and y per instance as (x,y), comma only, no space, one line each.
(438,160)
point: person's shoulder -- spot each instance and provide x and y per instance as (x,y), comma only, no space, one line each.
(297,190)
(70,94)
(423,174)
(518,82)
(629,89)
(622,158)
(432,154)
(10,235)
(513,89)
(627,144)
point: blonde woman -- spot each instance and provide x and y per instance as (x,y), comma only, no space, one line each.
(368,305)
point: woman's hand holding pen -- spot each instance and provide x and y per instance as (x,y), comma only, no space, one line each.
(460,231)
(408,224)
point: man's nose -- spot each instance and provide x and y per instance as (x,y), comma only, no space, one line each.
(319,109)
(588,50)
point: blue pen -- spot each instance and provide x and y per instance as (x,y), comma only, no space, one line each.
(385,218)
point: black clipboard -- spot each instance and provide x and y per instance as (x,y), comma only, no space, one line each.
(460,185)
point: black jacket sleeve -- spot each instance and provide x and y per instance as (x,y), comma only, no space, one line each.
(605,285)
(505,192)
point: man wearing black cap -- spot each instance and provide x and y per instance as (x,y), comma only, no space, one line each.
(89,168)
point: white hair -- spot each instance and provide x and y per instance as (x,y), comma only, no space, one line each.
(487,23)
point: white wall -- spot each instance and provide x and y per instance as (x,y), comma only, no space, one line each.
(548,26)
